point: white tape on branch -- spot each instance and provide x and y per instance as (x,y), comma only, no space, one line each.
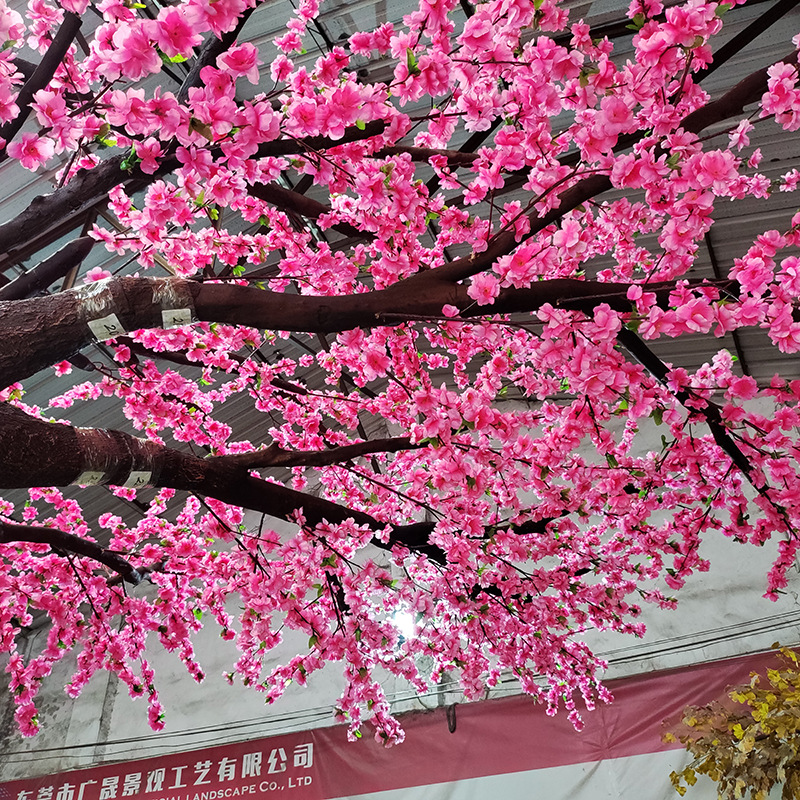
(175,299)
(110,457)
(96,306)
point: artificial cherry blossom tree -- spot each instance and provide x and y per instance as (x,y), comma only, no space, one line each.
(458,440)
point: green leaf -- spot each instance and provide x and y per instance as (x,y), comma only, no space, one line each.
(638,21)
(130,161)
(238,271)
(411,62)
(360,124)
(658,415)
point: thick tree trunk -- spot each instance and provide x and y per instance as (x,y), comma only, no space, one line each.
(38,453)
(119,305)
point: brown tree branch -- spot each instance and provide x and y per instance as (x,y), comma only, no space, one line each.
(732,103)
(49,270)
(288,200)
(61,542)
(38,453)
(137,303)
(275,456)
(455,158)
(209,51)
(710,412)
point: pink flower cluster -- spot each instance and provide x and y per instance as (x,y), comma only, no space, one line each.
(514,438)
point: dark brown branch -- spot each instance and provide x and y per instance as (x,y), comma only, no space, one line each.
(53,268)
(710,412)
(209,51)
(733,102)
(25,68)
(275,456)
(455,158)
(42,75)
(136,305)
(746,36)
(288,200)
(61,542)
(37,453)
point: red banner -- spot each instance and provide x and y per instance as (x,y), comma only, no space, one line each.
(490,738)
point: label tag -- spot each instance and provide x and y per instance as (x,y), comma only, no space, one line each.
(175,317)
(106,327)
(136,480)
(89,478)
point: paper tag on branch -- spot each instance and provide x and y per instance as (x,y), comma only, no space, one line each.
(136,480)
(175,317)
(106,327)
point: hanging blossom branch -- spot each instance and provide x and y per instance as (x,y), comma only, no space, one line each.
(61,542)
(276,456)
(707,410)
(732,103)
(513,503)
(37,453)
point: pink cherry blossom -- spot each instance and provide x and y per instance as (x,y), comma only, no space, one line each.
(484,288)
(174,33)
(241,61)
(32,151)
